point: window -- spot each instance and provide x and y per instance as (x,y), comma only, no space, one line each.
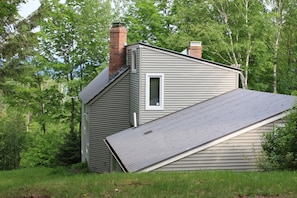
(134,61)
(154,91)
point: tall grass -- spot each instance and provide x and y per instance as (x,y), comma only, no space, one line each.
(47,182)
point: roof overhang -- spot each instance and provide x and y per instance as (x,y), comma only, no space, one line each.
(100,84)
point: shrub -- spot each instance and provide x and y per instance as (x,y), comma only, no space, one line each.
(41,151)
(280,146)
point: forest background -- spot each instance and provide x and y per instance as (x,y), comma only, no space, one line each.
(47,58)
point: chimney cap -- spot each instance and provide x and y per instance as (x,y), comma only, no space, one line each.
(195,43)
(118,24)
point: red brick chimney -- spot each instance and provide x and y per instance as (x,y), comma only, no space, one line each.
(195,49)
(118,40)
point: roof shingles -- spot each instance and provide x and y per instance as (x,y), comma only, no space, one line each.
(158,140)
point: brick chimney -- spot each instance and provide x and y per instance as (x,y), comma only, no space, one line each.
(117,52)
(195,49)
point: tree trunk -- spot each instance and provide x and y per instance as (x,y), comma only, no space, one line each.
(279,22)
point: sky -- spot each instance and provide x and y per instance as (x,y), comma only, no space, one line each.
(29,7)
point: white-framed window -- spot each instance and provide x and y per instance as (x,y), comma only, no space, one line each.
(134,61)
(154,91)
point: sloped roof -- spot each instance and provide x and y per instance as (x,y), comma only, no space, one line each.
(100,82)
(166,137)
(95,86)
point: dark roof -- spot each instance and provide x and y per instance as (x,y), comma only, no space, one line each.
(192,127)
(99,83)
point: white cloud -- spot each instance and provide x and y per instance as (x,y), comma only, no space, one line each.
(25,9)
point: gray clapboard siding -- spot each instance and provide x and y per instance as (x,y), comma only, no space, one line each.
(186,81)
(109,114)
(238,153)
(134,85)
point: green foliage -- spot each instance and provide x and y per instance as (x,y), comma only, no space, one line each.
(287,63)
(12,134)
(41,149)
(69,152)
(232,32)
(280,146)
(148,21)
(36,93)
(73,39)
(42,72)
(8,13)
(17,42)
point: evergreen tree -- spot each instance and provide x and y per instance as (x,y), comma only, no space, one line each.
(69,151)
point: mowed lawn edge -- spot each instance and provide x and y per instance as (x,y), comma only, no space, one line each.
(47,182)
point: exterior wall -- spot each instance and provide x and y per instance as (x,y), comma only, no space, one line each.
(134,84)
(109,114)
(186,81)
(238,153)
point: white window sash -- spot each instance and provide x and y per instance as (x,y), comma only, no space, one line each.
(134,61)
(161,94)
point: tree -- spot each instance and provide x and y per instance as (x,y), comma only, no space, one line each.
(17,40)
(231,31)
(69,150)
(238,33)
(36,94)
(287,62)
(43,71)
(8,14)
(73,38)
(278,10)
(148,21)
(12,134)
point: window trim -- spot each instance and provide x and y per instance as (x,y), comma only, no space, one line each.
(147,91)
(134,61)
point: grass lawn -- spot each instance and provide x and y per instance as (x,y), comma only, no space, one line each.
(46,182)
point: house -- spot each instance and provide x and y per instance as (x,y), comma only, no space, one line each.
(154,109)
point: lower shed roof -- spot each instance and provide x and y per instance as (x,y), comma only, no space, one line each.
(169,136)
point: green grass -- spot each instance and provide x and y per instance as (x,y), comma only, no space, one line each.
(45,182)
